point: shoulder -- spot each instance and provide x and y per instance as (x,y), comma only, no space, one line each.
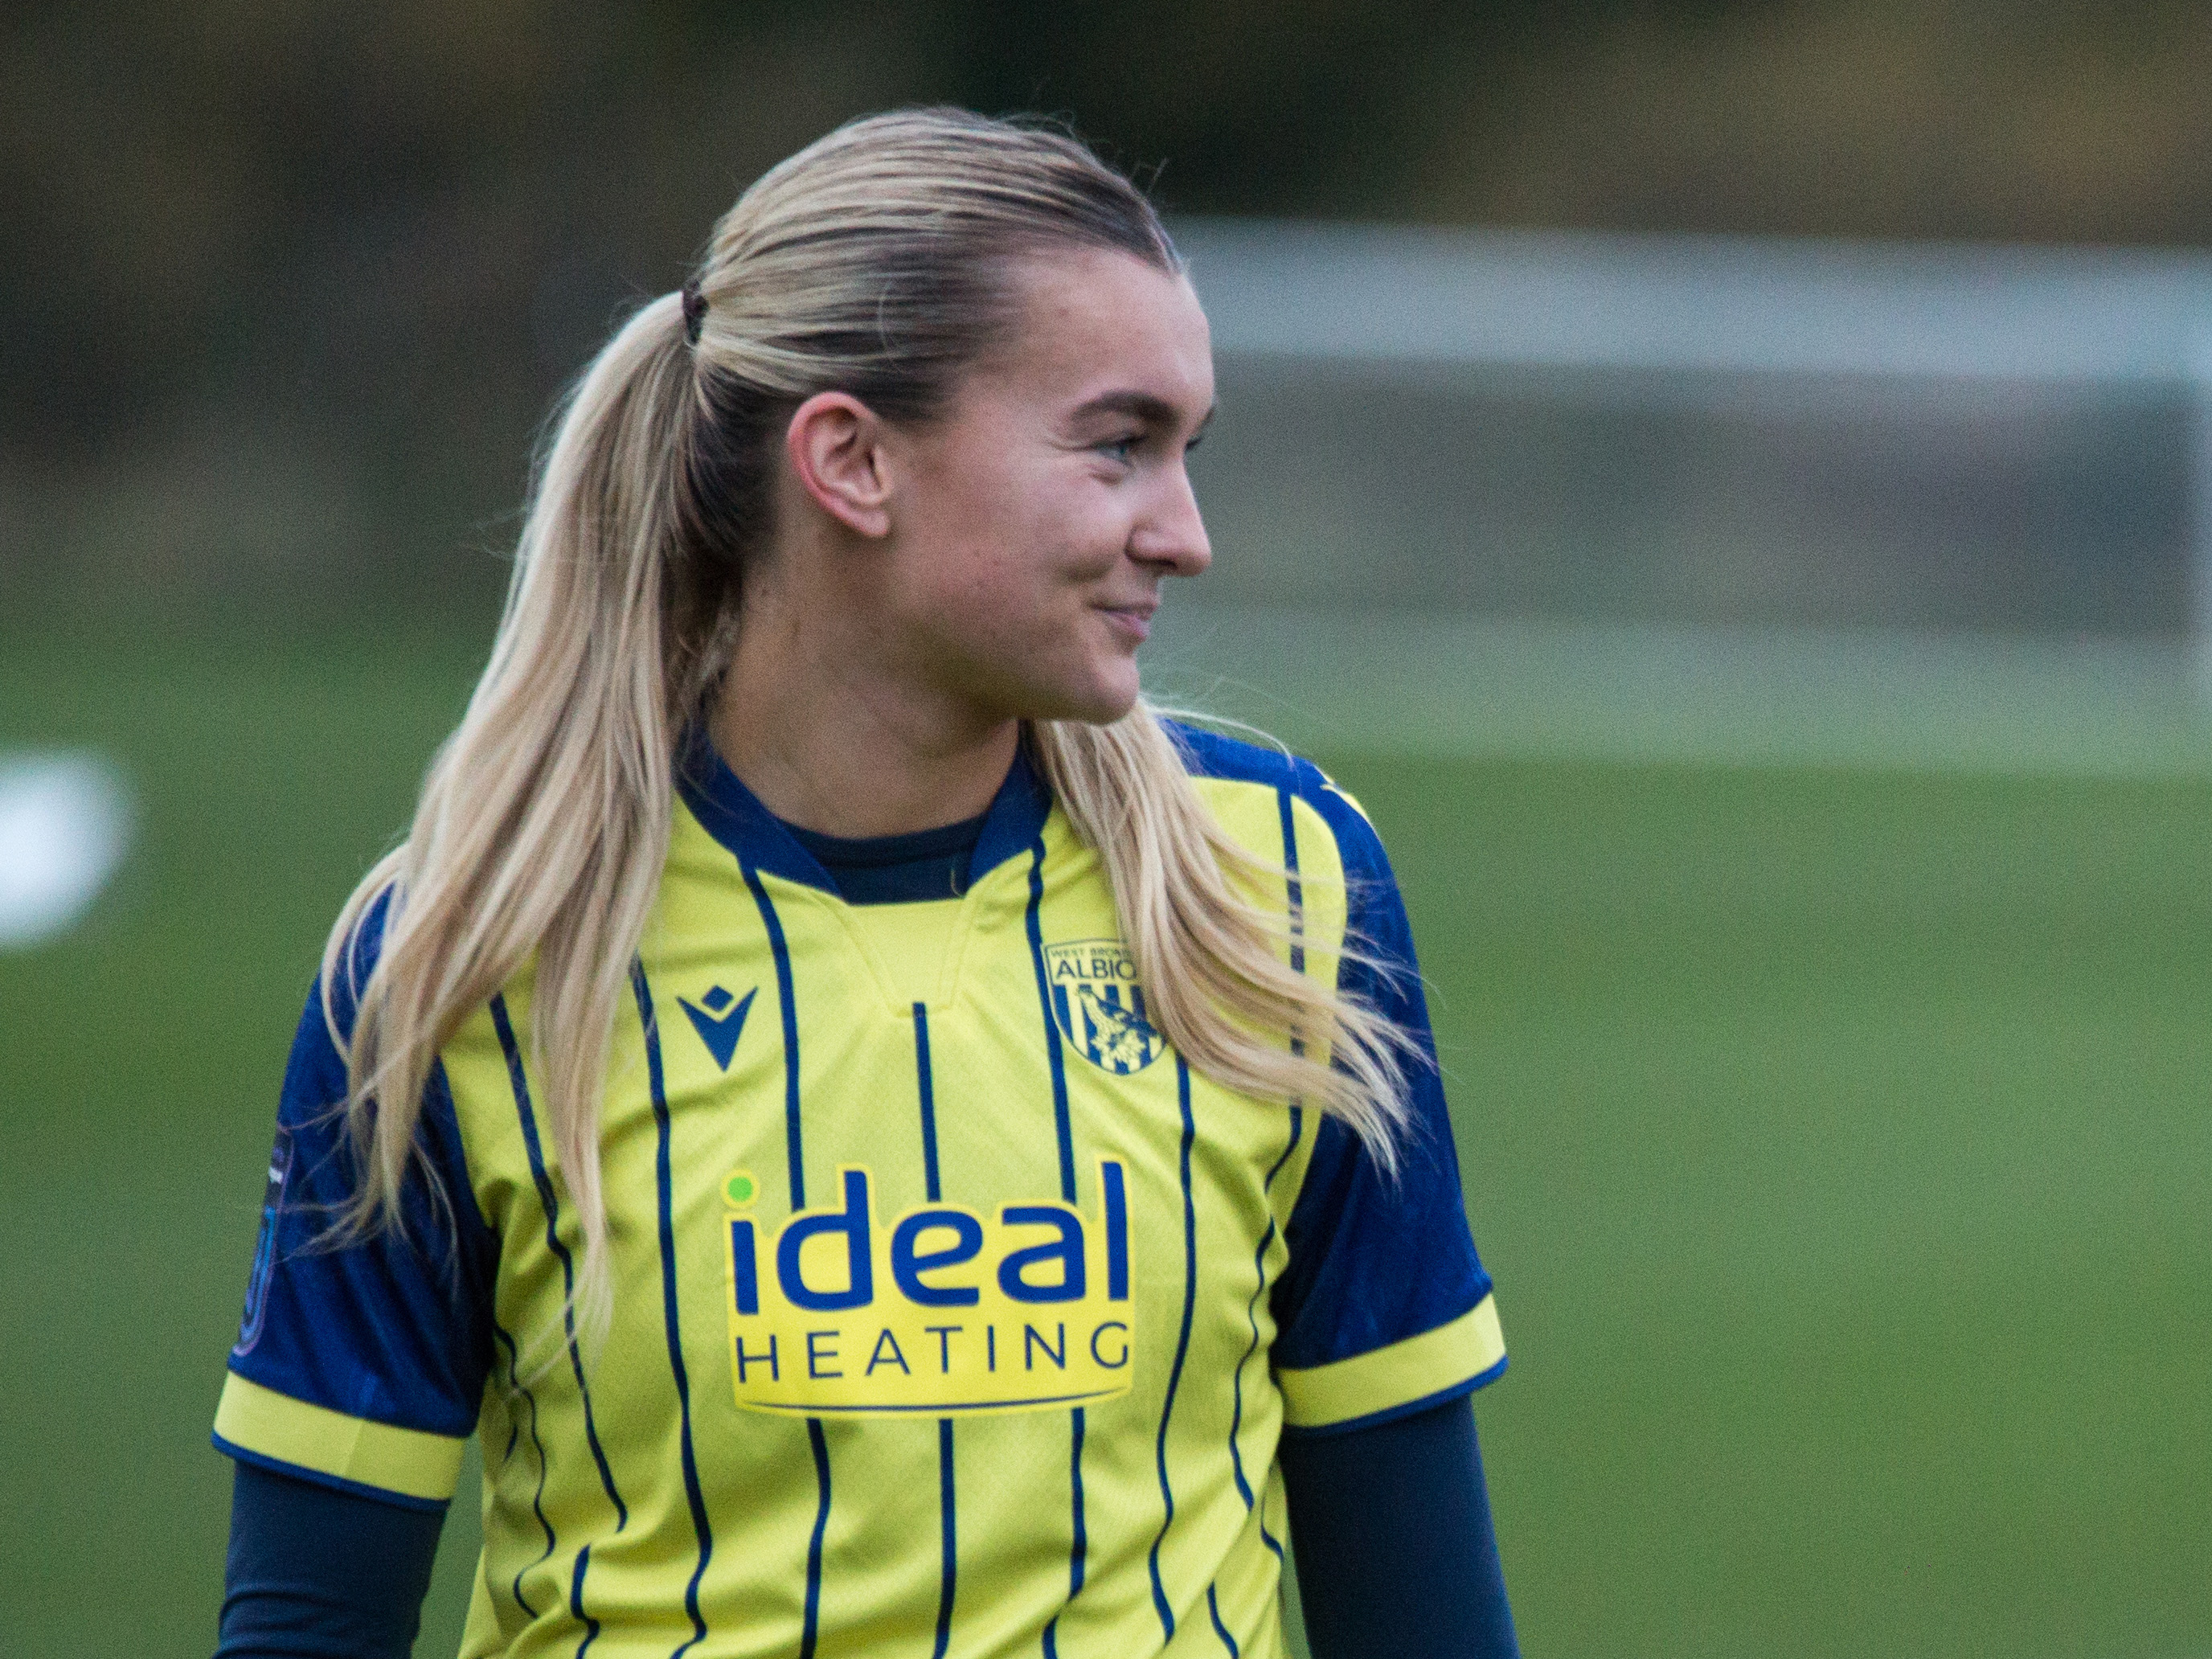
(1211,753)
(357,948)
(1294,781)
(315,1079)
(318,1075)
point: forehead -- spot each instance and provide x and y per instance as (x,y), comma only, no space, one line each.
(1094,321)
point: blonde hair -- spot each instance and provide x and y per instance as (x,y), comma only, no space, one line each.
(877,261)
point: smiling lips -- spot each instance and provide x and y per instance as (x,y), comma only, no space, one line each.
(1134,619)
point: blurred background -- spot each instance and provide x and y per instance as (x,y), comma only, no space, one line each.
(1726,483)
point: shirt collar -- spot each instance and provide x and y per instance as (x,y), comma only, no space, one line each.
(734,815)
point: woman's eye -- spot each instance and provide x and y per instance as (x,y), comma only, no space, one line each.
(1119,449)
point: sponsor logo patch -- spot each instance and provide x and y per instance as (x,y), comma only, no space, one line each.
(940,1311)
(1099,1005)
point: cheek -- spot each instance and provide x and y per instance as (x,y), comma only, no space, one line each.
(1000,581)
(1027,550)
(998,603)
(1016,629)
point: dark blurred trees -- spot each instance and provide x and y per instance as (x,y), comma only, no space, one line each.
(288,284)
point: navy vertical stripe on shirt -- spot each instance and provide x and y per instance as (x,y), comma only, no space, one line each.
(794,1129)
(519,1080)
(1182,1346)
(693,1496)
(787,1002)
(538,1498)
(1063,1130)
(926,1092)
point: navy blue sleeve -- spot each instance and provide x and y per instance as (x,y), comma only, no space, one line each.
(1377,1257)
(1395,1550)
(394,1329)
(315,1573)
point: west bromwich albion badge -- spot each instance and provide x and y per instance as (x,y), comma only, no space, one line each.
(1100,1006)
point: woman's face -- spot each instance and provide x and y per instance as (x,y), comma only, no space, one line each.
(1034,523)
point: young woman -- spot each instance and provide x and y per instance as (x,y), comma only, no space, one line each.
(892,1146)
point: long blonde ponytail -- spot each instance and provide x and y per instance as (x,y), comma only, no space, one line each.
(876,262)
(544,819)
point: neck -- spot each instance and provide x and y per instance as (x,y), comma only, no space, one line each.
(816,727)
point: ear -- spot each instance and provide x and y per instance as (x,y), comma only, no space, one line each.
(835,446)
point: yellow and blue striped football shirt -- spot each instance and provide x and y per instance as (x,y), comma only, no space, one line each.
(953,1314)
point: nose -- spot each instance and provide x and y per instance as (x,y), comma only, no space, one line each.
(1170,533)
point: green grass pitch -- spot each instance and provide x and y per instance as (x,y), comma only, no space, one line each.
(1841,1141)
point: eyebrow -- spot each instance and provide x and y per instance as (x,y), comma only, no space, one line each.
(1138,406)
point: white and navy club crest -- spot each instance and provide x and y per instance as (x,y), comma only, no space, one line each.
(1100,1006)
(265,1247)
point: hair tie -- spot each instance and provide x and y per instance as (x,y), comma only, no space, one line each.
(695,310)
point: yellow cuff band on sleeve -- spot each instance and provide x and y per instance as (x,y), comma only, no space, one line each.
(1366,1384)
(409,1461)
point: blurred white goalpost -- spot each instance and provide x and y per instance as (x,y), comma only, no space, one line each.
(1714,322)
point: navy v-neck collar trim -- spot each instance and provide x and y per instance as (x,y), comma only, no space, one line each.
(841,853)
(734,815)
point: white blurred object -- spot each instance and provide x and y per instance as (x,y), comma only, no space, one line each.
(64,826)
(1725,322)
(1630,303)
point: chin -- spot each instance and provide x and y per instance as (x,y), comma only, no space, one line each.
(1101,703)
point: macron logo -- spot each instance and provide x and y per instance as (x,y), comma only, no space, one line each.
(718,1023)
